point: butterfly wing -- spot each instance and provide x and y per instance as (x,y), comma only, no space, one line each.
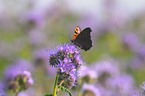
(83,40)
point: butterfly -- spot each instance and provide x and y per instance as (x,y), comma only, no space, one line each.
(82,38)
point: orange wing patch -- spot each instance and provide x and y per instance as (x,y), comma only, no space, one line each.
(77,32)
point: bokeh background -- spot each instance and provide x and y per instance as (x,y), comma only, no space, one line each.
(30,28)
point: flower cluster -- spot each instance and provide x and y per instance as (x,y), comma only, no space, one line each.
(67,59)
(90,90)
(2,93)
(87,74)
(12,71)
(21,82)
(105,79)
(105,70)
(18,76)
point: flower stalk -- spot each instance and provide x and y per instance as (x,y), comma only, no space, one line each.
(55,85)
(17,93)
(80,89)
(60,85)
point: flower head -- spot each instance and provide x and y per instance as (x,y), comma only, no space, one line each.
(90,90)
(21,82)
(2,85)
(18,77)
(12,71)
(122,84)
(2,93)
(67,59)
(105,70)
(88,74)
(131,41)
(40,57)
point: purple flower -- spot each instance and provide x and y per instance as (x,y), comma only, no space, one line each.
(41,61)
(23,94)
(2,93)
(106,70)
(67,59)
(136,93)
(21,82)
(122,85)
(37,37)
(30,92)
(90,90)
(141,53)
(40,55)
(88,74)
(12,71)
(18,76)
(40,58)
(136,63)
(107,67)
(2,85)
(28,74)
(131,41)
(37,18)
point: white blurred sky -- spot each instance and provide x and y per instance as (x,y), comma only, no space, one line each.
(129,7)
(94,5)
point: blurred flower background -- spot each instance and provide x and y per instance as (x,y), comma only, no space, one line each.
(114,66)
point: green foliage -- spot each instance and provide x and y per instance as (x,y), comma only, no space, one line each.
(64,89)
(48,95)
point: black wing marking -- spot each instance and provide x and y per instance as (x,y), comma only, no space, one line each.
(83,40)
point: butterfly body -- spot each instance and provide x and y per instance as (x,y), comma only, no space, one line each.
(82,38)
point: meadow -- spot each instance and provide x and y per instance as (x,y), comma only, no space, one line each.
(36,47)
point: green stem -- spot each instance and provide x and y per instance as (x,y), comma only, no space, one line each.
(55,85)
(17,93)
(80,88)
(59,85)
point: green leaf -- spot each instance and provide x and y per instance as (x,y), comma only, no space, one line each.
(63,88)
(48,95)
